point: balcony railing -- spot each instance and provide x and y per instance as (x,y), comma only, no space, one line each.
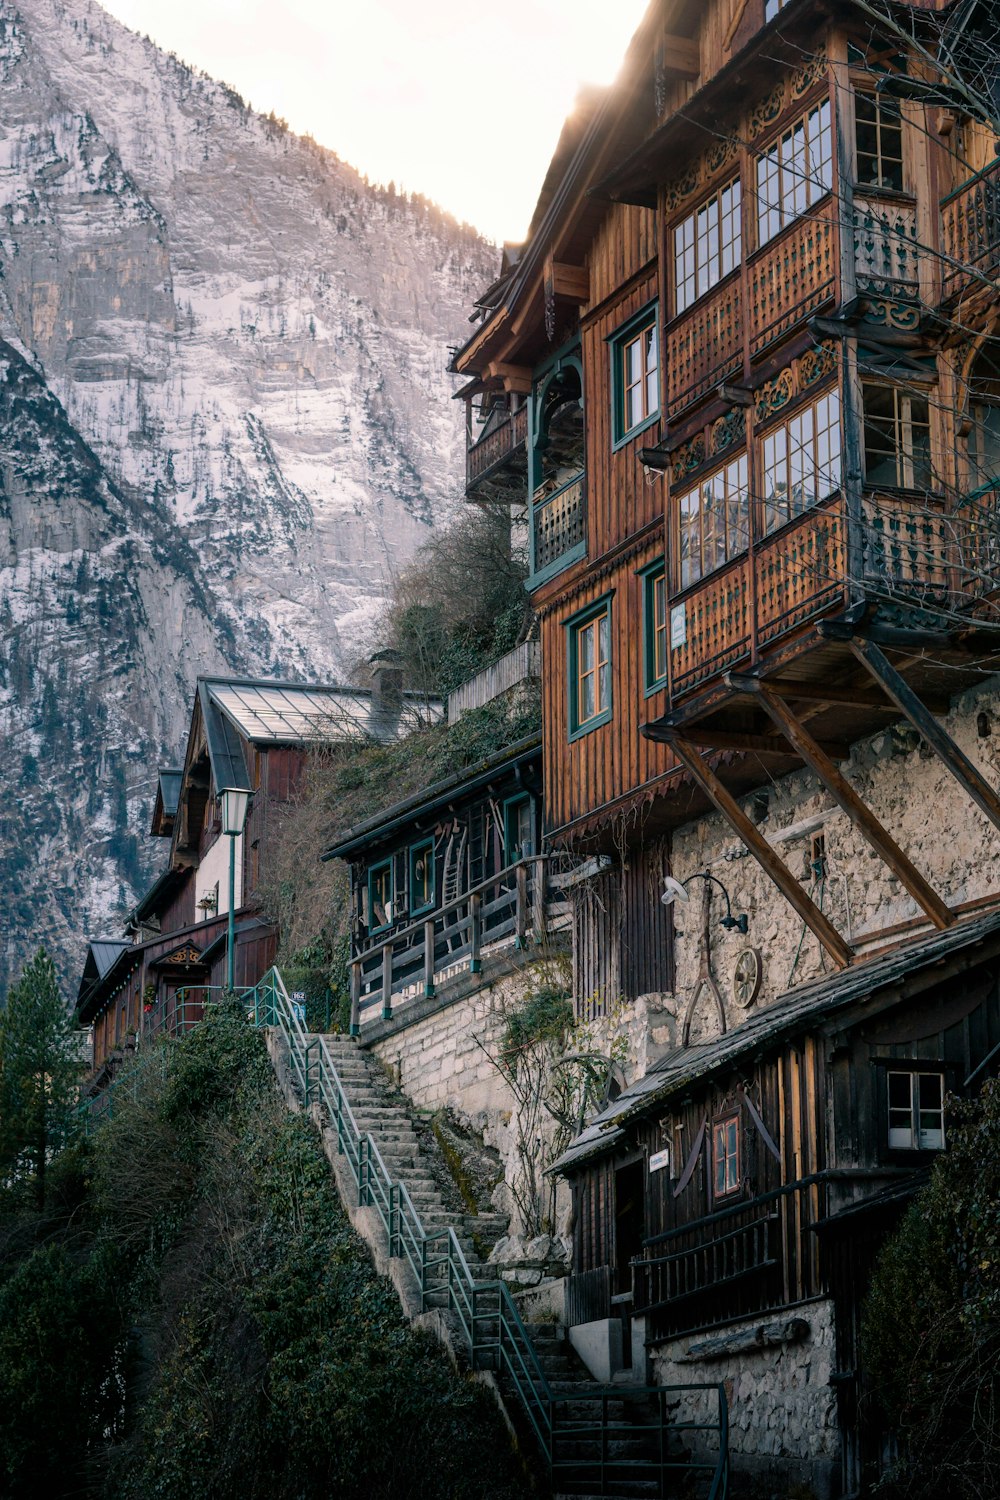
(559,525)
(744,1259)
(970,231)
(793,276)
(503,910)
(885,246)
(704,346)
(496,445)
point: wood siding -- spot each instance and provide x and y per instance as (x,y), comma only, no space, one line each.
(623,934)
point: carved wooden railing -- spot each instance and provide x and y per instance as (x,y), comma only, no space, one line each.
(974,525)
(710,627)
(558,524)
(906,547)
(801,570)
(496,444)
(793,276)
(970,230)
(885,246)
(705,345)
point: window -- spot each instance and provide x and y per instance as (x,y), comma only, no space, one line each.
(421,876)
(897,438)
(518,839)
(590,669)
(916,1111)
(878,131)
(795,172)
(380,896)
(984,420)
(712,522)
(707,245)
(726,1156)
(635,374)
(654,584)
(801,461)
(772,7)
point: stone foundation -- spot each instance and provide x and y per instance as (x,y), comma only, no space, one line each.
(782,1405)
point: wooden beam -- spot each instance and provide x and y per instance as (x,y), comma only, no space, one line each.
(571,282)
(847,798)
(769,861)
(761,744)
(801,692)
(514,377)
(940,741)
(681,56)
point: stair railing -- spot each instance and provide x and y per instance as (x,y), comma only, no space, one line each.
(491,1324)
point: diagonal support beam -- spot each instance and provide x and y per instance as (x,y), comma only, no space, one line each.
(769,861)
(940,741)
(845,796)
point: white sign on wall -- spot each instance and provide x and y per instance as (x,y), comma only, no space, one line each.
(660,1160)
(678,627)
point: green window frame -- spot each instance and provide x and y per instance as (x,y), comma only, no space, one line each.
(423,877)
(635,375)
(513,808)
(655,625)
(588,661)
(381,891)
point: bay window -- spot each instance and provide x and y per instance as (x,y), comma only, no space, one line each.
(801,462)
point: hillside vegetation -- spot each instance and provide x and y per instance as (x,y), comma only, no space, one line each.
(191,1315)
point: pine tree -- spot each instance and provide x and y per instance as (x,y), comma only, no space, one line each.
(39,1074)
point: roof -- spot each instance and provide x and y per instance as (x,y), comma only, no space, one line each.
(293,713)
(168,790)
(103,955)
(806,1005)
(163,886)
(431,797)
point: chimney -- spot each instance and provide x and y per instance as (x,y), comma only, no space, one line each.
(387,684)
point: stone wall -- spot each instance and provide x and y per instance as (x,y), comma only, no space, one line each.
(917,800)
(782,1406)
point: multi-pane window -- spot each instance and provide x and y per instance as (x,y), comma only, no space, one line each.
(636,377)
(879,138)
(897,438)
(984,442)
(801,462)
(590,670)
(712,522)
(421,876)
(517,830)
(916,1111)
(707,245)
(794,172)
(380,895)
(655,624)
(726,1155)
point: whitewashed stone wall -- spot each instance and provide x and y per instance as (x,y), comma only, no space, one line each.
(782,1406)
(918,801)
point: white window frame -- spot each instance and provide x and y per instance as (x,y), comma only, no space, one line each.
(909,1128)
(795,171)
(707,244)
(800,461)
(725,494)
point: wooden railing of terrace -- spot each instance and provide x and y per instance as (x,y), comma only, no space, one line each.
(970,232)
(495,445)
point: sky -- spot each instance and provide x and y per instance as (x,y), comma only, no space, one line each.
(442,97)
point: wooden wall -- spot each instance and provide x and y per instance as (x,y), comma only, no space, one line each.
(623,935)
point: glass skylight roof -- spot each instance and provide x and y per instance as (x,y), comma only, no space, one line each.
(294,714)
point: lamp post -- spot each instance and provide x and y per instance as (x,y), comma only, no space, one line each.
(674,890)
(235,800)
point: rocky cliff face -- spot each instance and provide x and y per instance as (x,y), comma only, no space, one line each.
(223,424)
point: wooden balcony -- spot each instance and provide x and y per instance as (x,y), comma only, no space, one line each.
(705,345)
(793,276)
(885,246)
(970,233)
(746,1258)
(497,461)
(559,527)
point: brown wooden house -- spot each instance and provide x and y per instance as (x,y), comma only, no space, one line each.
(744,375)
(243,733)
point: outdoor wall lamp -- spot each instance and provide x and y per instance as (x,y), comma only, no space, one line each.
(675,890)
(234,801)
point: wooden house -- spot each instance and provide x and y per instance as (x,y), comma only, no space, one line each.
(442,881)
(744,376)
(243,733)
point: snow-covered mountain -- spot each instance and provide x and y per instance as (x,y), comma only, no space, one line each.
(224,422)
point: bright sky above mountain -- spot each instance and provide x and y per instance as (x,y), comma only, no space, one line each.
(459,101)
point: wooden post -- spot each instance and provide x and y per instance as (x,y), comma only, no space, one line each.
(475,933)
(538,900)
(387,981)
(755,841)
(356,998)
(521,909)
(429,957)
(846,797)
(940,741)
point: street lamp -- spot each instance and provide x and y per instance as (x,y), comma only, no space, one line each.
(234,801)
(674,890)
